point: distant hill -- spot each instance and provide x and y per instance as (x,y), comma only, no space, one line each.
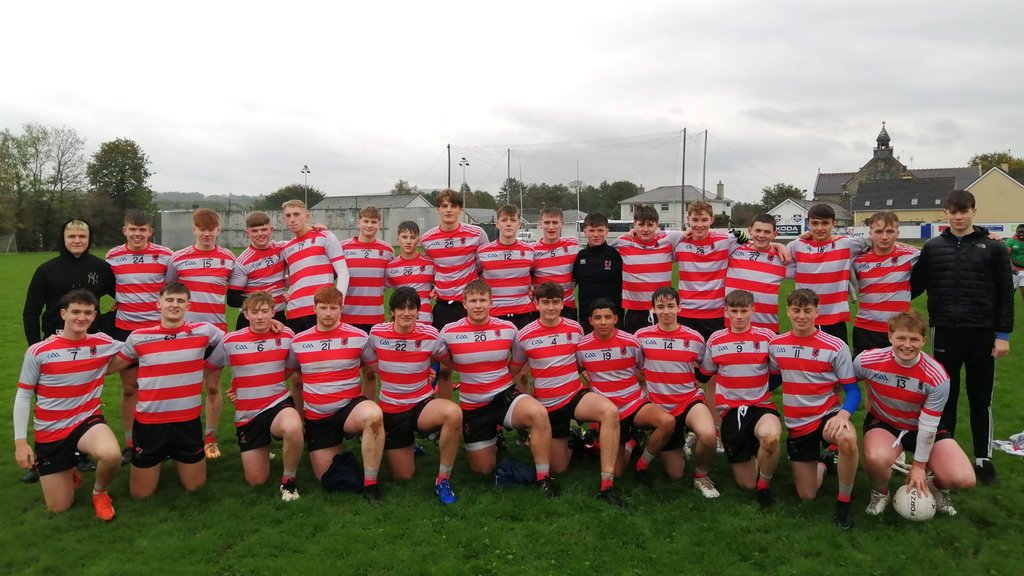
(185,200)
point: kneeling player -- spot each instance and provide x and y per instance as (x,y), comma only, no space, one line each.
(751,428)
(329,356)
(908,390)
(812,363)
(548,345)
(403,351)
(612,361)
(261,362)
(65,373)
(672,353)
(175,360)
(479,346)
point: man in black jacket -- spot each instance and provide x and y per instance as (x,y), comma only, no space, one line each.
(970,305)
(597,270)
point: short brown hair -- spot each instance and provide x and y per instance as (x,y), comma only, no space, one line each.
(450,196)
(645,213)
(256,219)
(205,219)
(700,207)
(821,212)
(802,297)
(887,218)
(739,299)
(138,218)
(548,290)
(508,210)
(175,288)
(409,226)
(257,299)
(477,286)
(595,220)
(328,295)
(552,211)
(370,212)
(910,321)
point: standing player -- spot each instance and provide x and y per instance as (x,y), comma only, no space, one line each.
(204,269)
(261,362)
(970,306)
(597,270)
(329,356)
(908,390)
(259,268)
(883,275)
(548,345)
(505,265)
(612,361)
(366,257)
(757,267)
(65,374)
(647,255)
(140,269)
(411,268)
(1015,246)
(480,346)
(823,264)
(175,359)
(671,355)
(402,351)
(554,256)
(751,428)
(812,363)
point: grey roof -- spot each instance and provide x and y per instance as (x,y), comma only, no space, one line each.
(481,215)
(832,182)
(904,194)
(378,200)
(842,214)
(666,194)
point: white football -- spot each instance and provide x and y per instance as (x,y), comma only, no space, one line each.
(912,505)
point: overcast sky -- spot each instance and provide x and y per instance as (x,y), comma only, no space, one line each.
(237,97)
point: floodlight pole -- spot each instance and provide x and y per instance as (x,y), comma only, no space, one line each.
(305,184)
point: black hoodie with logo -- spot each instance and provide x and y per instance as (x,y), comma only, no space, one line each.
(55,278)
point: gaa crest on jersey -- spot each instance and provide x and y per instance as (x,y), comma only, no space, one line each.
(565,249)
(607,264)
(757,346)
(895,259)
(771,258)
(623,350)
(344,341)
(497,333)
(814,353)
(92,350)
(418,343)
(155,258)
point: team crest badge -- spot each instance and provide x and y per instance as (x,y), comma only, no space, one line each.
(155,258)
(462,240)
(623,350)
(814,353)
(757,346)
(92,350)
(895,259)
(344,341)
(686,344)
(607,264)
(771,258)
(568,338)
(497,333)
(418,343)
(565,249)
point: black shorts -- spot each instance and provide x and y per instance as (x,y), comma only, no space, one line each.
(446,312)
(909,440)
(838,330)
(627,424)
(400,427)
(807,448)
(868,340)
(329,432)
(480,426)
(636,319)
(302,323)
(179,441)
(54,457)
(678,439)
(704,326)
(560,418)
(256,433)
(738,432)
(520,320)
(243,322)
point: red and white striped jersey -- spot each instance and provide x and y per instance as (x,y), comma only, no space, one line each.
(138,278)
(884,283)
(553,263)
(258,366)
(613,366)
(824,267)
(205,273)
(645,267)
(403,364)
(260,269)
(506,269)
(670,362)
(416,273)
(454,257)
(811,367)
(551,354)
(761,274)
(171,363)
(364,303)
(702,266)
(67,378)
(741,362)
(480,355)
(311,259)
(330,363)
(905,398)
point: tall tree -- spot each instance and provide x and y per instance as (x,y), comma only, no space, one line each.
(511,191)
(403,187)
(743,213)
(987,161)
(118,178)
(772,196)
(274,200)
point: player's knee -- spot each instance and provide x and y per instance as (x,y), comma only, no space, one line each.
(453,416)
(402,475)
(746,482)
(256,478)
(482,468)
(848,445)
(806,494)
(769,443)
(193,485)
(108,455)
(959,480)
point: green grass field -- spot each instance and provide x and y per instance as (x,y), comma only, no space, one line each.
(229,528)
